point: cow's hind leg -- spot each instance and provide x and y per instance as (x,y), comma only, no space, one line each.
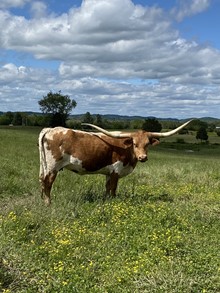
(46,185)
(111,184)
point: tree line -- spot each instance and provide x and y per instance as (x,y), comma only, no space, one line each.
(56,109)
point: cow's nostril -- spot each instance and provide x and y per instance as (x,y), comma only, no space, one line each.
(143,158)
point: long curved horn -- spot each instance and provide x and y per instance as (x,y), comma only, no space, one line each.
(169,133)
(111,134)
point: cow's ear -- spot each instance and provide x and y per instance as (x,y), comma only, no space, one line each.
(154,141)
(128,142)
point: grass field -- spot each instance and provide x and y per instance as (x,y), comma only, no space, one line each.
(161,234)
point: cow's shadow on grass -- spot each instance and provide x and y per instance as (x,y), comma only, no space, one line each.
(92,197)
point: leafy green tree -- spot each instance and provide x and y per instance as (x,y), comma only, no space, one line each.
(202,134)
(217,131)
(74,123)
(99,121)
(152,124)
(196,124)
(17,119)
(6,118)
(211,127)
(58,107)
(87,118)
(10,116)
(136,124)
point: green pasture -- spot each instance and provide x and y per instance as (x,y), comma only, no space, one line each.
(160,234)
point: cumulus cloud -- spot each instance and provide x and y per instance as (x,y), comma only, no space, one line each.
(38,9)
(5,4)
(138,61)
(190,7)
(18,75)
(139,43)
(26,86)
(22,87)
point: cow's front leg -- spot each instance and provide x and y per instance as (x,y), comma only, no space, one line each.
(111,184)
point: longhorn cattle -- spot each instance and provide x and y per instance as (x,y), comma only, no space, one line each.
(113,154)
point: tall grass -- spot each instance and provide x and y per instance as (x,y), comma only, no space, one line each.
(161,234)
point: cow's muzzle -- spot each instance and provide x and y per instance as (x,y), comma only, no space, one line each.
(142,158)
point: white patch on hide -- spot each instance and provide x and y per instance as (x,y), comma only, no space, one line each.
(118,168)
(74,164)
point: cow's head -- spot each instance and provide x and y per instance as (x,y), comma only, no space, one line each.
(140,139)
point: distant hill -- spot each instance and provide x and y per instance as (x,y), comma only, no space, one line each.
(26,112)
(209,119)
(127,117)
(121,117)
(136,117)
(109,117)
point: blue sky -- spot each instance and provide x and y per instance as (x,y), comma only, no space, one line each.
(149,58)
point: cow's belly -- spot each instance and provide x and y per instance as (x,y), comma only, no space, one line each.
(76,165)
(117,168)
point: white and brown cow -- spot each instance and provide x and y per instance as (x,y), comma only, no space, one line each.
(113,154)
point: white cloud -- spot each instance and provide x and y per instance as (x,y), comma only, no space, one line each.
(5,4)
(139,43)
(190,7)
(38,9)
(26,86)
(104,47)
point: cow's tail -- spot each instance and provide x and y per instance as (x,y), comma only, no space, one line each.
(42,154)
